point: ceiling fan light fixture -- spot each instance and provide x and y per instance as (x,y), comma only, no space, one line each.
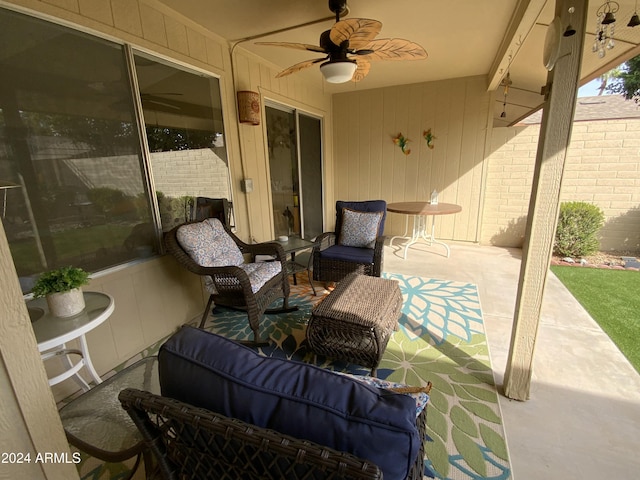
(338,72)
(339,7)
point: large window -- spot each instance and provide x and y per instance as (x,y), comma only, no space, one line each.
(183,120)
(73,183)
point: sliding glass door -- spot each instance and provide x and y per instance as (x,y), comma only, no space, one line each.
(295,162)
(310,130)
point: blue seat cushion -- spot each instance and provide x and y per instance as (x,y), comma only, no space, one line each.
(348,254)
(294,398)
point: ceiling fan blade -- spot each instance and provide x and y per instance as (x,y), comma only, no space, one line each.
(299,66)
(362,51)
(297,46)
(359,32)
(362,71)
(394,49)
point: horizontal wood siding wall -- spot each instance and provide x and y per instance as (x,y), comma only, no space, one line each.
(293,91)
(368,165)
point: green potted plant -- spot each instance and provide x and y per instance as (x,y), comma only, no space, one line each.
(62,288)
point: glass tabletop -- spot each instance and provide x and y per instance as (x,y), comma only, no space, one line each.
(294,244)
(95,421)
(52,331)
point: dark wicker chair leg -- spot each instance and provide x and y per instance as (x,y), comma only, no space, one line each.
(285,308)
(256,342)
(256,339)
(313,287)
(206,312)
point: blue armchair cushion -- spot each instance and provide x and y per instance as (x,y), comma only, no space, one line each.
(348,254)
(294,398)
(359,229)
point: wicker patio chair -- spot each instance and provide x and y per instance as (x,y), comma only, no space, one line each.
(234,284)
(333,260)
(194,443)
(206,207)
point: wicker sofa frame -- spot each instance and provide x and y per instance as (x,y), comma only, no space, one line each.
(194,443)
(232,283)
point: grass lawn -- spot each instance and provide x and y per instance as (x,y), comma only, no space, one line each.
(612,298)
(69,245)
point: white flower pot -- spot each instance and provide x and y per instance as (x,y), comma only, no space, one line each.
(66,304)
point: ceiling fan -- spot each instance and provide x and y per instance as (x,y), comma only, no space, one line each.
(350,46)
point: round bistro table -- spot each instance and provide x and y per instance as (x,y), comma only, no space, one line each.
(53,333)
(420,212)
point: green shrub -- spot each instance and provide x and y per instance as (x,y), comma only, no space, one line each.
(578,224)
(106,199)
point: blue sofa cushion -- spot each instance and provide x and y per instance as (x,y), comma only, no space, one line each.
(348,254)
(294,398)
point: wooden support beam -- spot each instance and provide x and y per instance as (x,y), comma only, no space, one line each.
(544,206)
(522,21)
(29,419)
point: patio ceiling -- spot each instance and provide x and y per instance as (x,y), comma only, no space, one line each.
(462,38)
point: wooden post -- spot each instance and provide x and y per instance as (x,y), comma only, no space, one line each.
(555,135)
(29,420)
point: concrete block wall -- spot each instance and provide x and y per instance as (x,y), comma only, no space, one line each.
(603,168)
(198,173)
(508,187)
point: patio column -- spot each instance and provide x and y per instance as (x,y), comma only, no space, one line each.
(29,418)
(544,206)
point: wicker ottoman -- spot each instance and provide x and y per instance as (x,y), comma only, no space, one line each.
(354,322)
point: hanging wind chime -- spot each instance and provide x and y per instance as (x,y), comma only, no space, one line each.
(605,28)
(506,81)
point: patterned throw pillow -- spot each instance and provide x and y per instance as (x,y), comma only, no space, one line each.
(209,245)
(359,229)
(420,398)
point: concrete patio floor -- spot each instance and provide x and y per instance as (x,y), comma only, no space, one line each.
(583,418)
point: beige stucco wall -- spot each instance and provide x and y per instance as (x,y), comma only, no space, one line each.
(371,166)
(603,168)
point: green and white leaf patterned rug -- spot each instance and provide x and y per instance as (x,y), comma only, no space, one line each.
(441,339)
